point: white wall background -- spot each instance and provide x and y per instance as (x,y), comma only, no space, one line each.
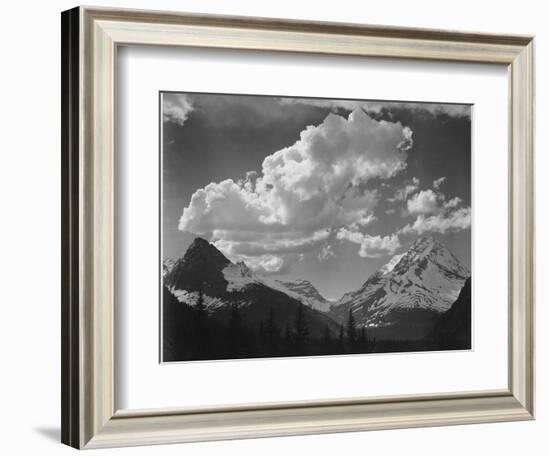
(29,227)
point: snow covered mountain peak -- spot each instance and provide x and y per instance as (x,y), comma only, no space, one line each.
(424,252)
(304,291)
(425,247)
(239,277)
(424,243)
(205,275)
(426,277)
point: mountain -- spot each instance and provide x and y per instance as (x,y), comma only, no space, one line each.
(205,274)
(201,268)
(167,266)
(408,294)
(240,276)
(304,291)
(453,329)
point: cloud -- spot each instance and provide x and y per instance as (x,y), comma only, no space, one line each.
(376,107)
(255,244)
(249,182)
(452,203)
(265,263)
(370,246)
(451,110)
(326,253)
(438,182)
(457,220)
(436,214)
(402,193)
(332,104)
(304,191)
(176,108)
(424,202)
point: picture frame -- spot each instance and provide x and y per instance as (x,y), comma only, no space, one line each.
(90,39)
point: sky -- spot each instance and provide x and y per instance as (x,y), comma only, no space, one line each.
(319,189)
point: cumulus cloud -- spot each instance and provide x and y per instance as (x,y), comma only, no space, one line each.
(438,182)
(403,193)
(454,202)
(304,191)
(370,246)
(249,182)
(176,108)
(265,263)
(434,213)
(457,220)
(424,202)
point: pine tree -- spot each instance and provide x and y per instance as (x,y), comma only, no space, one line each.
(351,331)
(287,342)
(235,333)
(199,306)
(327,341)
(235,319)
(201,336)
(301,331)
(272,334)
(362,339)
(341,339)
(261,339)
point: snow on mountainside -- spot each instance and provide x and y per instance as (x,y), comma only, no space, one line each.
(426,277)
(390,265)
(304,291)
(167,266)
(239,276)
(199,269)
(205,273)
(406,295)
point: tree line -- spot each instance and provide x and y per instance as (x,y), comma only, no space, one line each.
(190,333)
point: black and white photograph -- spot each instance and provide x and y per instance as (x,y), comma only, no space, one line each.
(295,226)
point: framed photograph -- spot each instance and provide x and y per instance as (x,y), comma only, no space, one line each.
(273,263)
(279,227)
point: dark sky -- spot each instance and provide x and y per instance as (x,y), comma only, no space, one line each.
(338,186)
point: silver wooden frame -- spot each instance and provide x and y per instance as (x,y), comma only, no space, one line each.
(90,38)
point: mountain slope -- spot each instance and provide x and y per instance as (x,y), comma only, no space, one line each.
(167,266)
(240,276)
(453,329)
(304,291)
(199,269)
(205,273)
(409,292)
